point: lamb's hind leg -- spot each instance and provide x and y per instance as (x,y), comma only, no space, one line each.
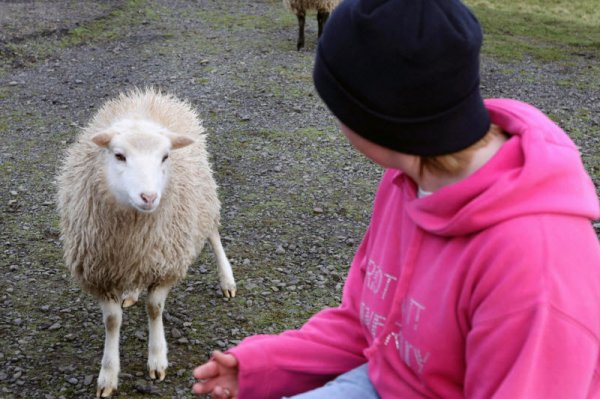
(157,344)
(130,297)
(226,279)
(112,315)
(322,17)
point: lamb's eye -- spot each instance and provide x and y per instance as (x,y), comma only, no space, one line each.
(120,157)
(165,157)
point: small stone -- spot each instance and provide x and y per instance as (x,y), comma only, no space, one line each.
(88,379)
(73,381)
(55,326)
(183,340)
(279,250)
(221,344)
(318,209)
(175,333)
(143,387)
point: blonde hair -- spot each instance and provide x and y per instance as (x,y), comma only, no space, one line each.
(453,164)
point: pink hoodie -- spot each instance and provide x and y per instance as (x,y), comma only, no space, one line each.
(488,288)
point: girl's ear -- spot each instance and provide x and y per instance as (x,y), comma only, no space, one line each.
(179,141)
(103,139)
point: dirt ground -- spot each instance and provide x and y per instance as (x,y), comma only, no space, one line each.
(295,197)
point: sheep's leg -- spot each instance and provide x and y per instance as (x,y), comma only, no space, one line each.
(226,278)
(157,344)
(321,20)
(112,315)
(301,15)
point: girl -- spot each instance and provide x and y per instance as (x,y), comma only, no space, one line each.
(479,275)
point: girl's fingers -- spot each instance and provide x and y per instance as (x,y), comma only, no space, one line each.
(221,393)
(221,368)
(225,359)
(207,370)
(200,388)
(207,387)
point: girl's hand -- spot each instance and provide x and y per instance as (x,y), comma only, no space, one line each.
(217,377)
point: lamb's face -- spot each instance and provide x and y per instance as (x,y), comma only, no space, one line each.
(137,161)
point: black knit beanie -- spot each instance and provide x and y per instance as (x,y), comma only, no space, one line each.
(404,74)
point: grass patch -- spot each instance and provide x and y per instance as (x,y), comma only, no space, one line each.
(116,24)
(546,30)
(234,22)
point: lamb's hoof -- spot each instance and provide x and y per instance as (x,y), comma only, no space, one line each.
(129,302)
(130,298)
(104,392)
(227,284)
(158,374)
(108,380)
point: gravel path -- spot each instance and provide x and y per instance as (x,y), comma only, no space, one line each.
(296,199)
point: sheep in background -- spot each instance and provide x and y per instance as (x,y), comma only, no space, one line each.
(299,7)
(137,201)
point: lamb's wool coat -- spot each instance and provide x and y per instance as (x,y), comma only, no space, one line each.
(110,248)
(298,6)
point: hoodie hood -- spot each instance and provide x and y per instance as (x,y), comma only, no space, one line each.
(538,170)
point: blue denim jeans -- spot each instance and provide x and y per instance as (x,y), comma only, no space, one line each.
(354,384)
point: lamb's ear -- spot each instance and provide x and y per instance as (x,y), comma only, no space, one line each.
(180,141)
(103,139)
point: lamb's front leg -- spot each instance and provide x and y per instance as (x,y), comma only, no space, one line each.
(112,315)
(301,22)
(157,344)
(226,279)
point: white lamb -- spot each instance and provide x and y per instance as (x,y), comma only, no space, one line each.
(137,201)
(299,7)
